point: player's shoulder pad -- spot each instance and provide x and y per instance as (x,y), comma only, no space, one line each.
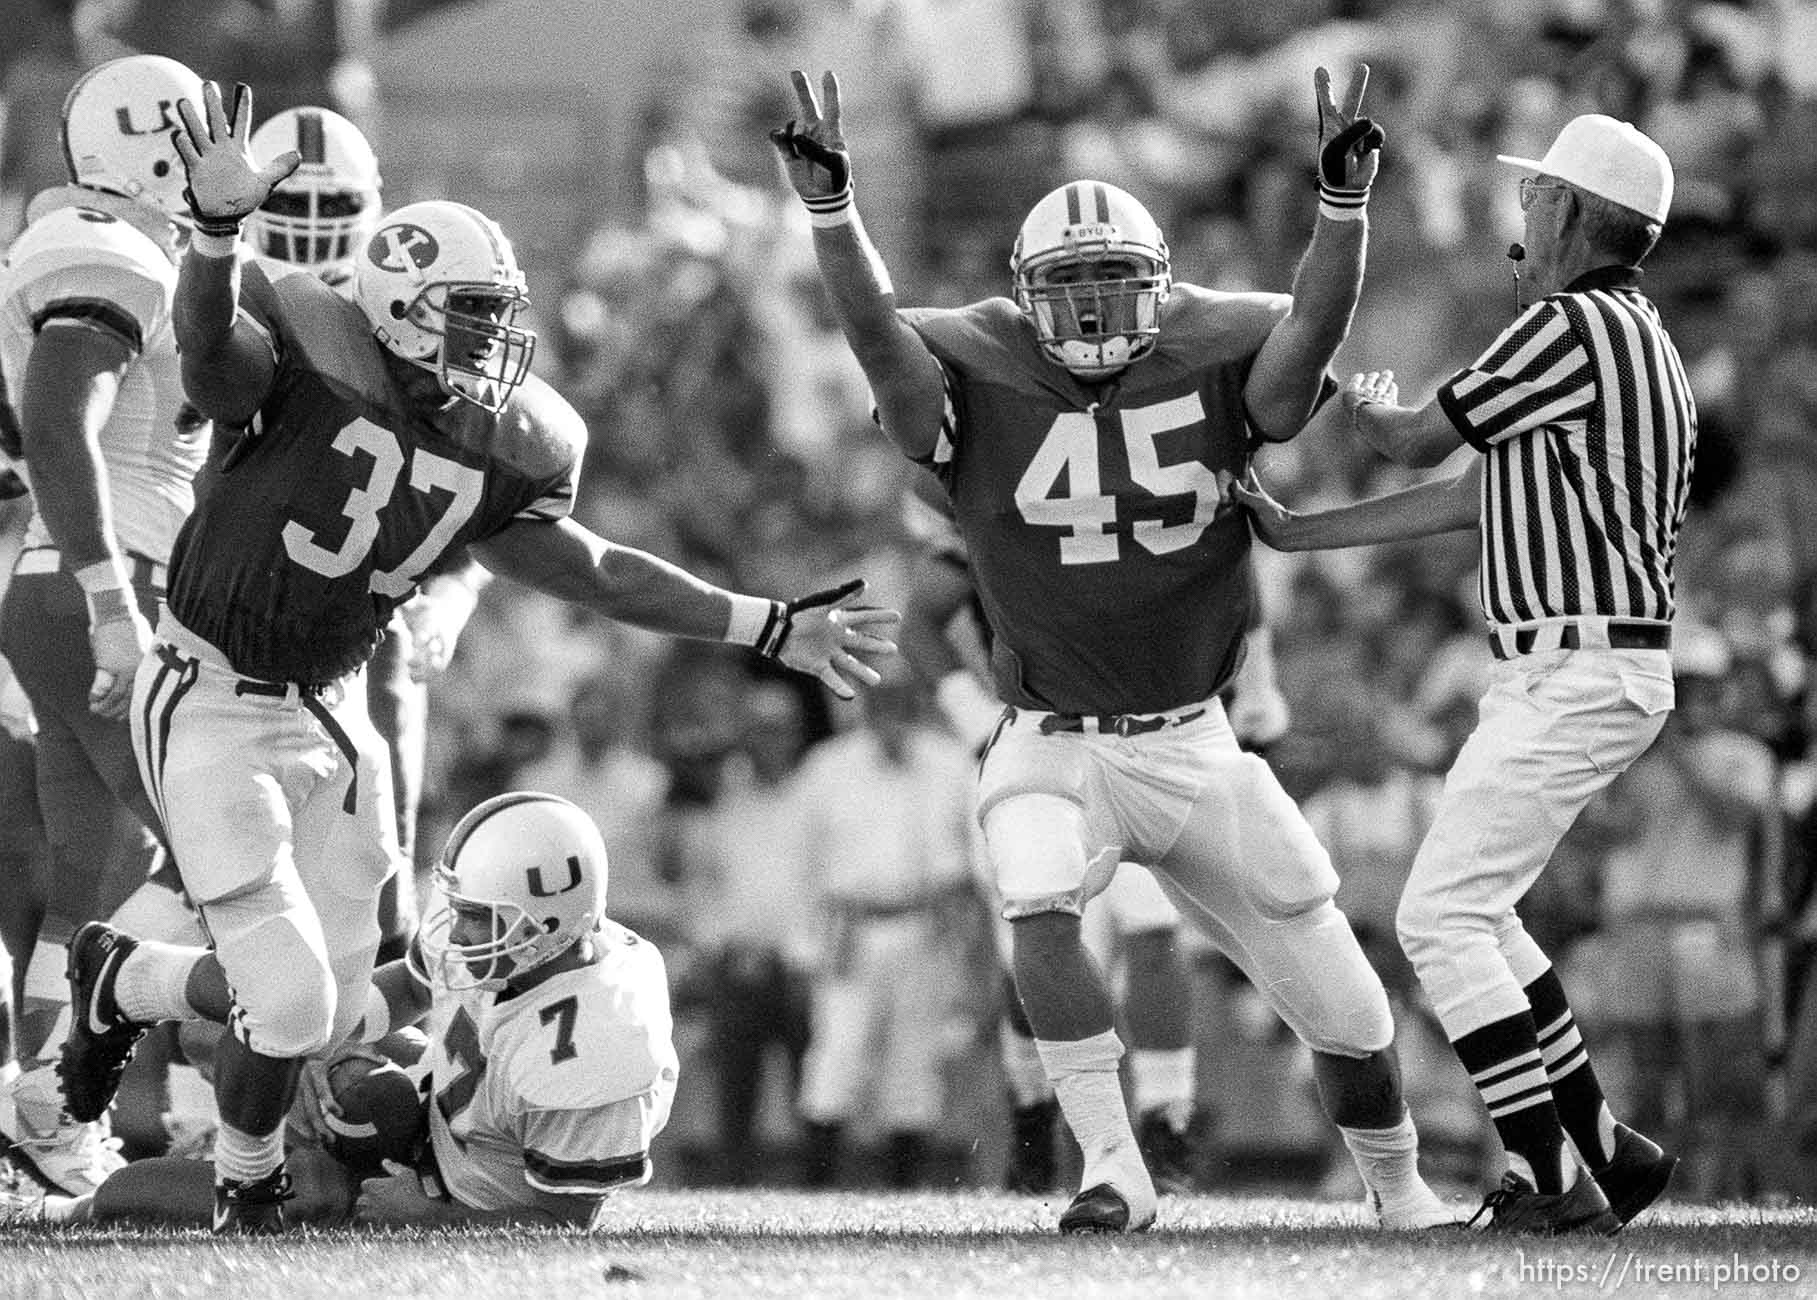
(622,1031)
(320,331)
(988,342)
(86,255)
(540,434)
(969,336)
(1200,326)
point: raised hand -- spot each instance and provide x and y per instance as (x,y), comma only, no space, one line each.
(813,150)
(830,638)
(1377,387)
(1349,143)
(225,184)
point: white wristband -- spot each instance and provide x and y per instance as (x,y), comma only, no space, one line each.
(830,220)
(753,618)
(106,589)
(213,245)
(103,575)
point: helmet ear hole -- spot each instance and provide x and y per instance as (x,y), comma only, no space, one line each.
(160,169)
(398,309)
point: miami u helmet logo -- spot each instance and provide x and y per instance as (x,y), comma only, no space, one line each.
(123,118)
(536,880)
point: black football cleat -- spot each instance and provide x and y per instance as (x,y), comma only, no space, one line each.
(252,1209)
(1517,1207)
(1171,1154)
(1637,1174)
(101,1039)
(1099,1208)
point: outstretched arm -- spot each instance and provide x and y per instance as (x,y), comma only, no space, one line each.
(1284,381)
(228,362)
(905,378)
(1440,505)
(823,635)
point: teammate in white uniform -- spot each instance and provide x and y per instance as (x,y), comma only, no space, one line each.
(551,1067)
(89,359)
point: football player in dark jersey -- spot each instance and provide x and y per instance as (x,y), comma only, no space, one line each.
(383,435)
(1088,435)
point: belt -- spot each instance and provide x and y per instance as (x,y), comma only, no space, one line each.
(1589,633)
(1114,724)
(144,571)
(310,697)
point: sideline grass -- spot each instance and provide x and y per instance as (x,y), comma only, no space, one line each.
(785,1244)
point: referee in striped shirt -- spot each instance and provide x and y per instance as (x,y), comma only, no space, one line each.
(1586,429)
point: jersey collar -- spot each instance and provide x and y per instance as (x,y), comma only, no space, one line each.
(1606,277)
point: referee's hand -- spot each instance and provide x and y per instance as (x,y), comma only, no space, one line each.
(1376,388)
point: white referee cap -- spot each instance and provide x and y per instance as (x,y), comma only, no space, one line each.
(1611,159)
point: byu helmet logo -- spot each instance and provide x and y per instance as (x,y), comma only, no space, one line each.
(536,880)
(403,247)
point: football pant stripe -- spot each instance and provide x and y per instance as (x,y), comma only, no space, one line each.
(153,775)
(186,679)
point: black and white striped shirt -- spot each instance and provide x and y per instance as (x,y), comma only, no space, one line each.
(1584,412)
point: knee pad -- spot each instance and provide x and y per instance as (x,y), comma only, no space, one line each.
(1038,846)
(1337,1003)
(283,990)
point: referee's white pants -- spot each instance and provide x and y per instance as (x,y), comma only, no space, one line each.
(1553,729)
(255,794)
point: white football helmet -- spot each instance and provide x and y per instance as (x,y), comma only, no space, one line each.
(323,213)
(117,124)
(1091,272)
(442,289)
(521,880)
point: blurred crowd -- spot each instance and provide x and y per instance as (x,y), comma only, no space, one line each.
(730,431)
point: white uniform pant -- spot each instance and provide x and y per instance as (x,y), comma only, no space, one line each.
(1234,854)
(281,840)
(1552,730)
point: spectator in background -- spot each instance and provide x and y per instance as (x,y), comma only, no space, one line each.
(38,63)
(883,837)
(737,859)
(1677,905)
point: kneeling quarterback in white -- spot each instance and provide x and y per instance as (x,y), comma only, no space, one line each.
(551,1064)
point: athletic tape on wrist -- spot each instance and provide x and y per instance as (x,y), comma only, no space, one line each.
(756,622)
(210,244)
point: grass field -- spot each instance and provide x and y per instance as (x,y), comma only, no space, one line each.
(734,1244)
